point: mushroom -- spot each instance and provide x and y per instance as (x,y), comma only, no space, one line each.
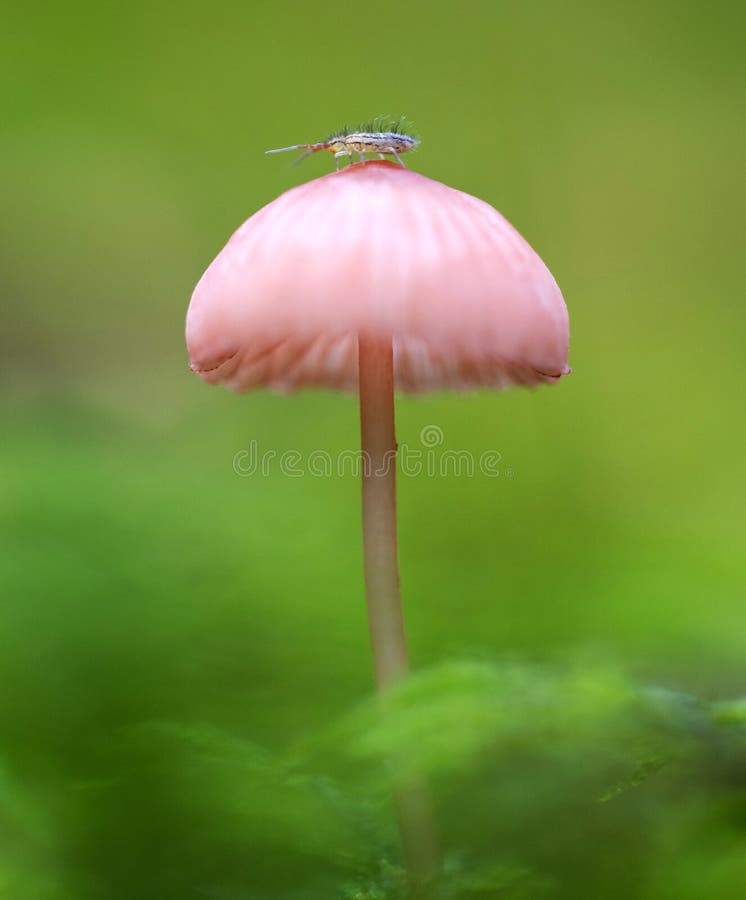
(367,279)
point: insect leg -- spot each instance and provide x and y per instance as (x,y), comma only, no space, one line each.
(338,154)
(398,158)
(302,157)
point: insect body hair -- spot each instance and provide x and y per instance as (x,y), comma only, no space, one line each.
(378,125)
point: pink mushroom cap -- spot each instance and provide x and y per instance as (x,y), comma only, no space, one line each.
(380,251)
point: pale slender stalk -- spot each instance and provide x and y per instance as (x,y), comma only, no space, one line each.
(378,441)
(385,618)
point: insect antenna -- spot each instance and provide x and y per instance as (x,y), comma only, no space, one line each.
(309,148)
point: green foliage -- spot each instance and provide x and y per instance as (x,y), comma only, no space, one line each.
(532,767)
(28,868)
(176,740)
(248,790)
(459,881)
(730,711)
(444,718)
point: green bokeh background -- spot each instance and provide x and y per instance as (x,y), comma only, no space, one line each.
(143,581)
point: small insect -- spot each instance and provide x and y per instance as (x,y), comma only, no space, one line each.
(380,136)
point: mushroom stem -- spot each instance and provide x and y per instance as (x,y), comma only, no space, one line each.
(386,621)
(385,618)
